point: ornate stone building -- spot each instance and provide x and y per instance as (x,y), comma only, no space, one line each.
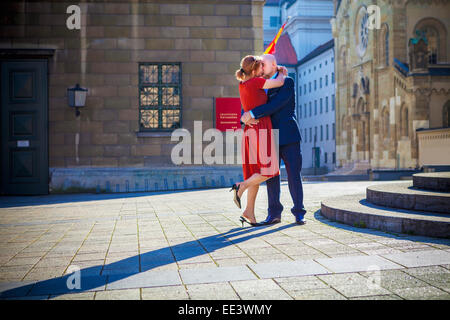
(392,78)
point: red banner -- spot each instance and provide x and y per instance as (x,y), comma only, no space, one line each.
(228,113)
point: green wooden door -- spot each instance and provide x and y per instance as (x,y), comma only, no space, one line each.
(24,127)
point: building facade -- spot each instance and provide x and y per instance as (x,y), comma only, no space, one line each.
(271,20)
(316,108)
(393,78)
(309,23)
(150,67)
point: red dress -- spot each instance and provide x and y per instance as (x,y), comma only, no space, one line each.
(259,153)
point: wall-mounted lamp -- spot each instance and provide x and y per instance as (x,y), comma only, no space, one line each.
(76,97)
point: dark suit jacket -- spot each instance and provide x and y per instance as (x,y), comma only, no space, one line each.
(281,109)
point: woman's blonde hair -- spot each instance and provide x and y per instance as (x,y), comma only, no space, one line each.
(248,65)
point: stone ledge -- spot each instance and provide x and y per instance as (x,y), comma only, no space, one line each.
(142,179)
(403,196)
(355,210)
(438,181)
(144,134)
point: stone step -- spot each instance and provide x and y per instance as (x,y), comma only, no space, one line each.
(403,195)
(438,181)
(355,210)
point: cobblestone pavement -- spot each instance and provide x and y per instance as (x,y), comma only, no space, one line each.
(190,245)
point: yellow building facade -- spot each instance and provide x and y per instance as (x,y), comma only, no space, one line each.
(392,77)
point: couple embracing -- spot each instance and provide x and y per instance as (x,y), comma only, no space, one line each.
(268,101)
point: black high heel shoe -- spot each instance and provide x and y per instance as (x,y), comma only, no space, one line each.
(244,219)
(236,199)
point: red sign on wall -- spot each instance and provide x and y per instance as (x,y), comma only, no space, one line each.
(228,113)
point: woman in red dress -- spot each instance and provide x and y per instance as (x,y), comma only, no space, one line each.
(260,157)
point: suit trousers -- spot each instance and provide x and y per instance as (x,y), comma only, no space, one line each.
(292,157)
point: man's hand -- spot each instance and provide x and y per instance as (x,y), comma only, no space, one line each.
(246,117)
(283,70)
(248,120)
(252,122)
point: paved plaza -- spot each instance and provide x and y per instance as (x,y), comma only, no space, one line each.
(190,245)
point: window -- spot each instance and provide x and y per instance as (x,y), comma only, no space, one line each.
(334,131)
(334,157)
(326,104)
(326,62)
(300,90)
(159,96)
(436,34)
(433,41)
(315,85)
(310,86)
(305,111)
(384,45)
(310,114)
(315,134)
(326,157)
(321,132)
(306,135)
(304,88)
(386,48)
(326,80)
(385,122)
(320,82)
(321,108)
(332,59)
(309,70)
(314,68)
(300,112)
(274,21)
(332,77)
(404,121)
(315,107)
(310,134)
(320,65)
(332,102)
(326,132)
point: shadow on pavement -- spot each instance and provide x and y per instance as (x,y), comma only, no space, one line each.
(91,278)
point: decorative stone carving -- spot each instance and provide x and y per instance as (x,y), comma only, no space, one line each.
(418,53)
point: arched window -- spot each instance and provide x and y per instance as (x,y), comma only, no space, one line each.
(436,35)
(384,45)
(404,121)
(385,123)
(343,63)
(361,106)
(446,114)
(433,43)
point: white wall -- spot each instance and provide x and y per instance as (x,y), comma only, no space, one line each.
(309,25)
(313,70)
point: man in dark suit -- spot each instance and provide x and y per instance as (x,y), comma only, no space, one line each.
(281,109)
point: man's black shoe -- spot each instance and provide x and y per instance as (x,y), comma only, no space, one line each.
(301,221)
(270,220)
